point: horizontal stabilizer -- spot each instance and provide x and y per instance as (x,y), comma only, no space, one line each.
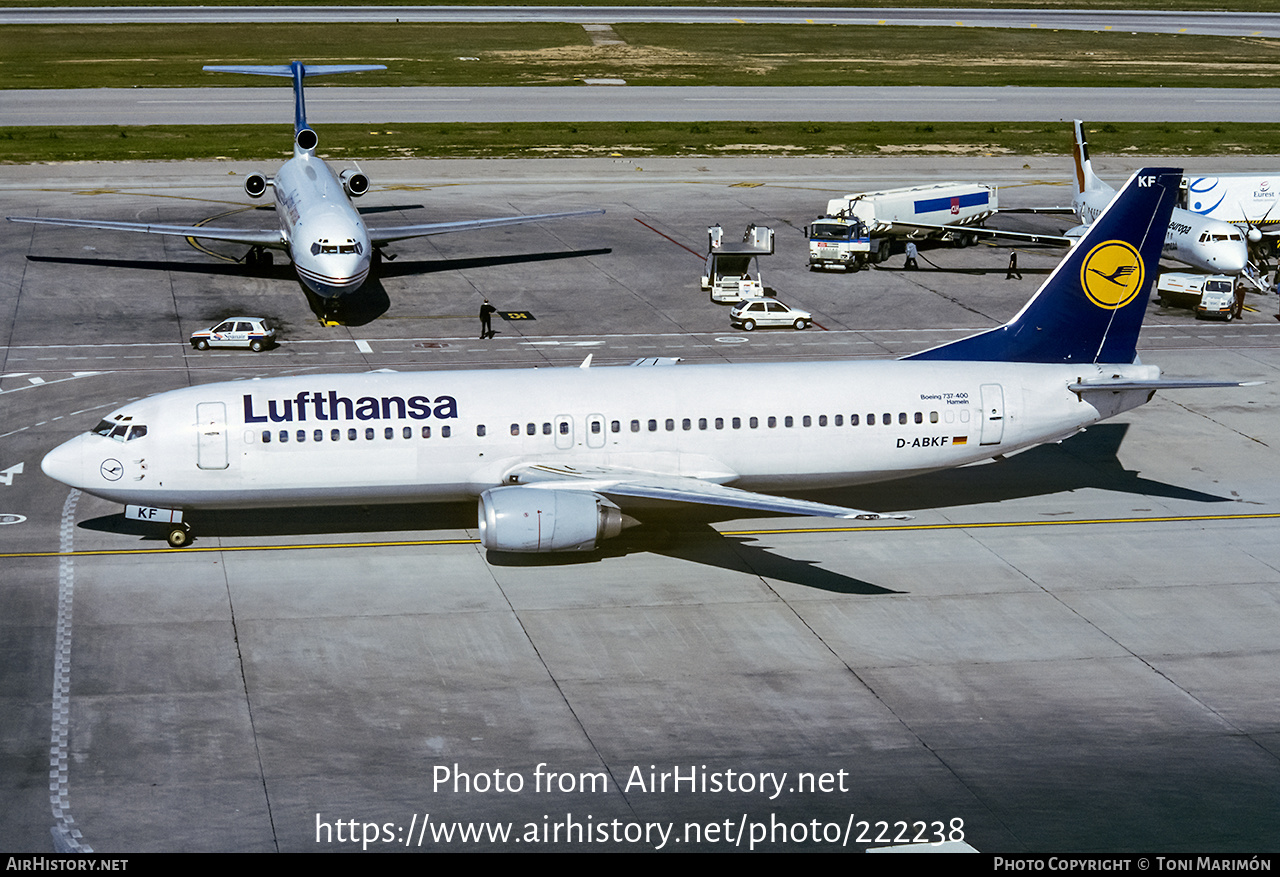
(286,70)
(1118,385)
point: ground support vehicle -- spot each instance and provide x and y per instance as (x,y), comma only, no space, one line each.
(732,271)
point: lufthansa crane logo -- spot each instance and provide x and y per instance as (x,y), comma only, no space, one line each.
(111,469)
(1112,274)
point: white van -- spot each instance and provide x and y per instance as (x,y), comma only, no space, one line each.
(1212,296)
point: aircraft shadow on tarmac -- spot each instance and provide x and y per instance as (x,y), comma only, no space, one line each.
(1088,460)
(220,269)
(359,309)
(405,268)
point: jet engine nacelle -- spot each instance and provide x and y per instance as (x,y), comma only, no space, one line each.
(255,185)
(532,519)
(354,182)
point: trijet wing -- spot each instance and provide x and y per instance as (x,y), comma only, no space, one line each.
(387,234)
(254,237)
(984,232)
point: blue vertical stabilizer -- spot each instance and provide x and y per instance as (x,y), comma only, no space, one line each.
(1091,307)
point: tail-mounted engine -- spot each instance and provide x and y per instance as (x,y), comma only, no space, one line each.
(531,519)
(306,139)
(355,183)
(256,184)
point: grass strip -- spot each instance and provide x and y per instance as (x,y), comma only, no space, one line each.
(126,56)
(636,139)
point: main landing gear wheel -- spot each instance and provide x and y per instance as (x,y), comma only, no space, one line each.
(179,536)
(259,261)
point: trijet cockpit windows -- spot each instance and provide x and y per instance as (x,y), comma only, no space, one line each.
(349,247)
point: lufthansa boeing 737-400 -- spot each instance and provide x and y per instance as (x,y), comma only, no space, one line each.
(561,459)
(319,228)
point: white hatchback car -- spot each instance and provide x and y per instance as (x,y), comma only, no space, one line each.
(768,312)
(251,332)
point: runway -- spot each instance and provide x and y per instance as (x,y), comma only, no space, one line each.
(1218,23)
(337,104)
(1071,649)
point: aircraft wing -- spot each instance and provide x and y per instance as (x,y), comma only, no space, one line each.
(256,237)
(621,485)
(1041,211)
(387,234)
(983,232)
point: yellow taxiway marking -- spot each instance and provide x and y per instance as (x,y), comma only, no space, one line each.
(858,528)
(1169,519)
(208,252)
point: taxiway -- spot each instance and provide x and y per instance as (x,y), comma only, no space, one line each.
(1068,650)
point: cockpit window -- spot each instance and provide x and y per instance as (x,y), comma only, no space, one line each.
(348,247)
(121,429)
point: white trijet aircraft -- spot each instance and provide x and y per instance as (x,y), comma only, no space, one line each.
(1195,240)
(561,459)
(319,228)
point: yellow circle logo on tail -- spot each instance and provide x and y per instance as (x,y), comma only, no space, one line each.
(1112,274)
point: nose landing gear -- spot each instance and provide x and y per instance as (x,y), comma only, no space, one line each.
(179,536)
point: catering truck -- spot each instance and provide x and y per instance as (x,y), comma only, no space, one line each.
(732,270)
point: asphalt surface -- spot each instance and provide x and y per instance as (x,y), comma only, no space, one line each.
(1220,23)
(1072,649)
(335,104)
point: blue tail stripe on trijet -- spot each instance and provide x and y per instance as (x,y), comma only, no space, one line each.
(1091,307)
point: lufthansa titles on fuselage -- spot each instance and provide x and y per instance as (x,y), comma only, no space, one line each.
(331,406)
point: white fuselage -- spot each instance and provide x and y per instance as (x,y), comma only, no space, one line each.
(331,439)
(1245,200)
(326,236)
(1209,244)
